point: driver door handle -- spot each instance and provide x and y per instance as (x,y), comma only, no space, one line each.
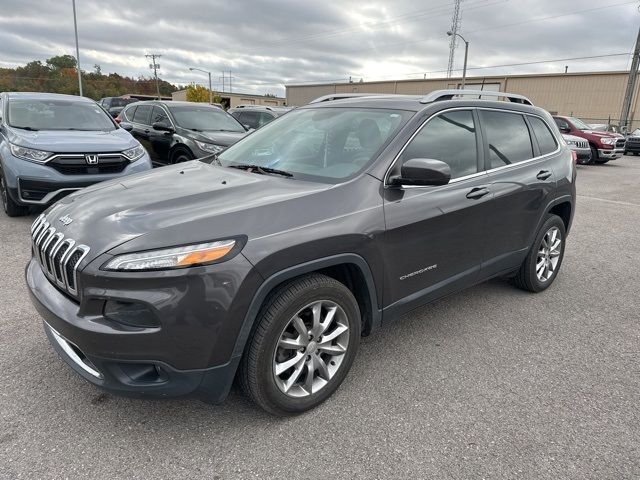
(543,174)
(478,192)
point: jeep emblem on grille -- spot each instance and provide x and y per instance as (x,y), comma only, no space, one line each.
(91,159)
(66,220)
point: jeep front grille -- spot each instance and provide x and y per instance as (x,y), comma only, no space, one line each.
(620,143)
(59,257)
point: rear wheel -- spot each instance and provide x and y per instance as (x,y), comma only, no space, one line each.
(306,338)
(543,261)
(10,207)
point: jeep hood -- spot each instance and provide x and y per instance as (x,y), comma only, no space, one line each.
(72,141)
(186,203)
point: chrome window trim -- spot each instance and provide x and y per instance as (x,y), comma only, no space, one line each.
(484,172)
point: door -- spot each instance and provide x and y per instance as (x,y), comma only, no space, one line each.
(160,140)
(435,235)
(518,152)
(141,126)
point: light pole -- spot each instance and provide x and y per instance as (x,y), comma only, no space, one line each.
(466,52)
(210,90)
(75,27)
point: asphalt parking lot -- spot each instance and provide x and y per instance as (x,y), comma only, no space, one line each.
(491,383)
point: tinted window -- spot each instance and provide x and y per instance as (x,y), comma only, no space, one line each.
(562,124)
(508,138)
(249,118)
(204,117)
(159,116)
(128,113)
(450,137)
(264,118)
(141,114)
(546,140)
(42,114)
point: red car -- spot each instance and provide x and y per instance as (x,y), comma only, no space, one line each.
(604,146)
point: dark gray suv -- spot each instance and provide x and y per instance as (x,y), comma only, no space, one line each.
(270,263)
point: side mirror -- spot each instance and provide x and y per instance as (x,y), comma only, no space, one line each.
(127,126)
(565,129)
(247,127)
(163,127)
(423,171)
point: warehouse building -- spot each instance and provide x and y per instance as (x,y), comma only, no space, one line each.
(231,100)
(596,97)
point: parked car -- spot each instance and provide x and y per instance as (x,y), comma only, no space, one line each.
(604,146)
(275,273)
(175,132)
(114,105)
(632,145)
(51,145)
(580,146)
(257,116)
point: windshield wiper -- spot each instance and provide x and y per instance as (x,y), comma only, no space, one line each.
(262,170)
(31,129)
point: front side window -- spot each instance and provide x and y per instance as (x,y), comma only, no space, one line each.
(204,118)
(42,114)
(327,144)
(562,124)
(546,140)
(579,124)
(160,116)
(449,137)
(507,136)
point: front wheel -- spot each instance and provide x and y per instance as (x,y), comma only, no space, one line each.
(181,155)
(594,154)
(306,339)
(10,207)
(541,266)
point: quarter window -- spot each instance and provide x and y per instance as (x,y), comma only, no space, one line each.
(508,138)
(546,140)
(449,137)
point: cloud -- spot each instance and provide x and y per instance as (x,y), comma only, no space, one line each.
(269,43)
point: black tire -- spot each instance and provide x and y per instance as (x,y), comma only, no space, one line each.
(602,161)
(526,278)
(594,154)
(257,376)
(181,155)
(10,207)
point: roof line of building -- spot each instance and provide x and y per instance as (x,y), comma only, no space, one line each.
(241,94)
(480,77)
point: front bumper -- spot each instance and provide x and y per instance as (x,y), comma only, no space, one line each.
(176,358)
(633,147)
(610,154)
(36,184)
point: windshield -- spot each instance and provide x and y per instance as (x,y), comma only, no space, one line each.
(205,118)
(325,144)
(636,132)
(58,115)
(579,124)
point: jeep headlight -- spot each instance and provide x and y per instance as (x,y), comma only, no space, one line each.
(608,141)
(209,147)
(175,257)
(30,154)
(134,153)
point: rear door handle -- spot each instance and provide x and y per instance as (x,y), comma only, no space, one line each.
(543,174)
(478,192)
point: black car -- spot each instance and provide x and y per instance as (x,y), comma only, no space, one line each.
(268,264)
(632,146)
(257,116)
(175,132)
(114,105)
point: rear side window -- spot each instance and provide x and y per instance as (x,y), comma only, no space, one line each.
(507,136)
(449,137)
(128,113)
(141,114)
(546,140)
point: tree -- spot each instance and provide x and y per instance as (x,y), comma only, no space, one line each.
(197,93)
(62,61)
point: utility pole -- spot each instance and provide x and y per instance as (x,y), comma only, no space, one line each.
(222,78)
(230,82)
(631,85)
(155,67)
(453,43)
(75,27)
(208,73)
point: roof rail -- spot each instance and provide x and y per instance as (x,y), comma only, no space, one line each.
(449,94)
(340,96)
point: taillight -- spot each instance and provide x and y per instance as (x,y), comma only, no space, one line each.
(574,155)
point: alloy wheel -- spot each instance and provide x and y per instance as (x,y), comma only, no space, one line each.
(548,254)
(311,348)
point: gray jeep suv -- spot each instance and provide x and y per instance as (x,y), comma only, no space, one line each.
(268,264)
(51,145)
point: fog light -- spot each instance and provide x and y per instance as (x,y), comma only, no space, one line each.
(133,314)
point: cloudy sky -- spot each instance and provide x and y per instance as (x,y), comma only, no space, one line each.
(269,43)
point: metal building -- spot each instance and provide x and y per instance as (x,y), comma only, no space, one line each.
(231,100)
(595,97)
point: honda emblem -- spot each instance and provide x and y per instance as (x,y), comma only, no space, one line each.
(91,159)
